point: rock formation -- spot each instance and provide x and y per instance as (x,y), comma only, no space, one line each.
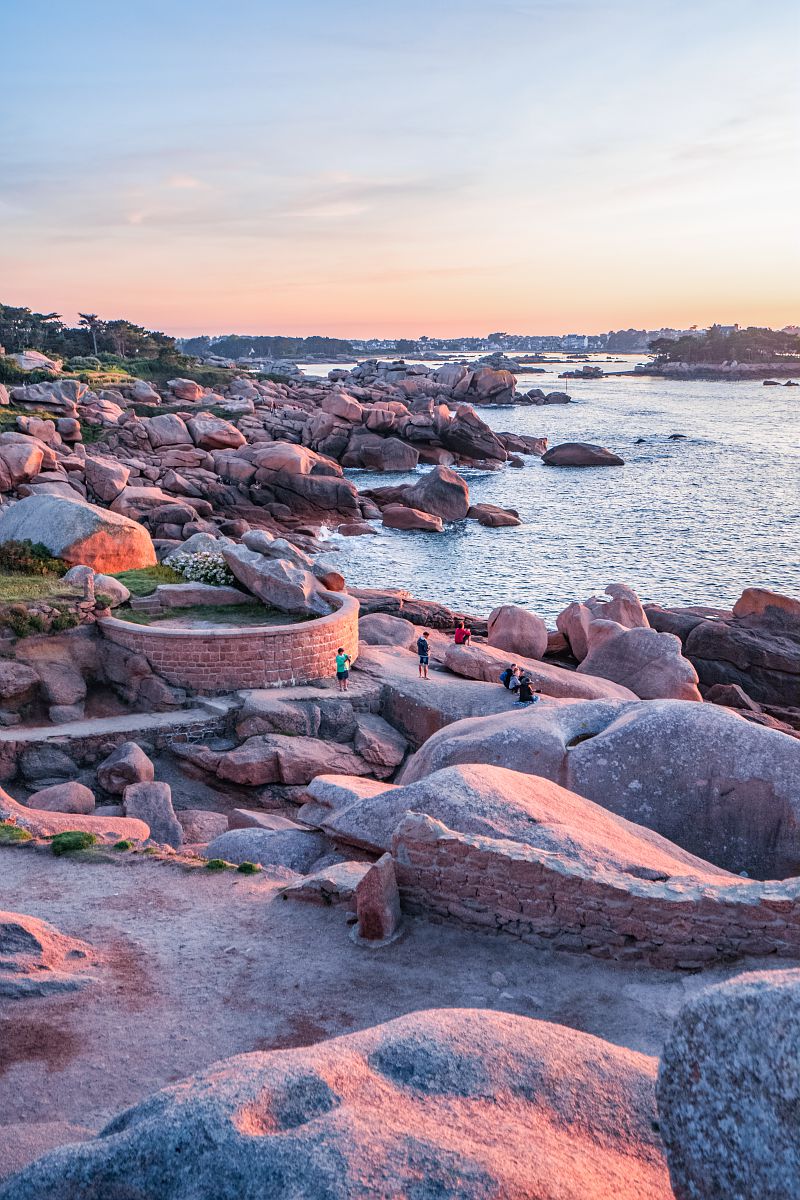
(447,1102)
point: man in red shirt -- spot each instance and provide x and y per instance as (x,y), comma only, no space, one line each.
(462,634)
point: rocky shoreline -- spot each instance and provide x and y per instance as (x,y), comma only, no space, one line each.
(213,828)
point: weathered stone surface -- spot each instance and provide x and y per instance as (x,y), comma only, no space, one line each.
(276,758)
(105,477)
(465,1104)
(18,684)
(185,389)
(487,663)
(246,818)
(624,607)
(715,784)
(79,532)
(152,802)
(649,663)
(68,797)
(167,429)
(729,1091)
(125,765)
(212,433)
(199,825)
(42,823)
(441,492)
(277,582)
(332,885)
(36,958)
(518,631)
(20,462)
(581,454)
(399,516)
(292,848)
(378,743)
(378,902)
(46,764)
(381,629)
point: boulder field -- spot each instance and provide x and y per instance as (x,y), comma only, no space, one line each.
(460,1102)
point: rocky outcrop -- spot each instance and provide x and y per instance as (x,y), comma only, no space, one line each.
(151,802)
(417,1102)
(581,454)
(43,824)
(279,583)
(728,1090)
(125,765)
(517,631)
(36,959)
(720,787)
(488,662)
(757,646)
(296,849)
(649,663)
(79,532)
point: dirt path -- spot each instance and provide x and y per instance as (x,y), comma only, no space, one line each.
(201,966)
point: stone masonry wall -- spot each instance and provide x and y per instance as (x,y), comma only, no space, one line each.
(509,887)
(211,661)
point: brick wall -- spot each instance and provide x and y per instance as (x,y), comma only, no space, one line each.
(211,661)
(508,887)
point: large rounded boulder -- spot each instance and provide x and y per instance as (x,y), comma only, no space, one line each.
(729,1091)
(722,788)
(581,454)
(458,1103)
(79,532)
(517,630)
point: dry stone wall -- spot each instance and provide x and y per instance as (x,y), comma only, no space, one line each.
(508,887)
(211,661)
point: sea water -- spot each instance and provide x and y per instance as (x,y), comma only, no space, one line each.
(689,520)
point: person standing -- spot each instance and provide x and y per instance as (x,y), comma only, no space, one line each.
(343,668)
(423,650)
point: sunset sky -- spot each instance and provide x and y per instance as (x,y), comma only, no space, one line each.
(452,166)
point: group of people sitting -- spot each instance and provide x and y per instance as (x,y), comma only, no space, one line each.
(514,678)
(520,682)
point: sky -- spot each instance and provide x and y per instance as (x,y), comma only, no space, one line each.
(382,168)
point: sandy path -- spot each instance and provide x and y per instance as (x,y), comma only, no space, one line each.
(201,966)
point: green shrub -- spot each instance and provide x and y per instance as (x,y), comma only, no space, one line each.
(13,374)
(125,844)
(65,619)
(82,362)
(71,840)
(248,868)
(30,558)
(12,835)
(21,622)
(217,864)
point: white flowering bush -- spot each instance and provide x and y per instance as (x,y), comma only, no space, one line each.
(204,567)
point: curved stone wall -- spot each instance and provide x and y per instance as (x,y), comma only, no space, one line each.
(214,661)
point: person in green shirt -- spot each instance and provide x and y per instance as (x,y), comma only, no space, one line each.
(342,668)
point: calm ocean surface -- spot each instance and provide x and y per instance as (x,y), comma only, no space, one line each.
(692,521)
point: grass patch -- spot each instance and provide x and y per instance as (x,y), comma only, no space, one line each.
(163,410)
(12,835)
(215,614)
(144,580)
(17,588)
(72,840)
(248,868)
(125,844)
(217,864)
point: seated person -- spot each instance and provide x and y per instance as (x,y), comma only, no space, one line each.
(462,634)
(510,678)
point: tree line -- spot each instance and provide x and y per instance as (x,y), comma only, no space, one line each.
(750,345)
(23,329)
(237,345)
